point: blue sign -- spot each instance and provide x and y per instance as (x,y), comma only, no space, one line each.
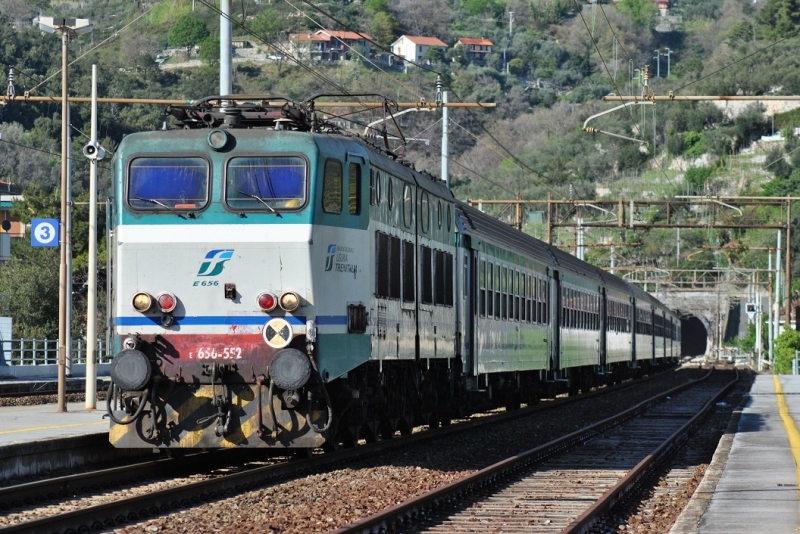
(44,232)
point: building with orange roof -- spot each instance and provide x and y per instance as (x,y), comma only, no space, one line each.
(412,48)
(328,45)
(477,49)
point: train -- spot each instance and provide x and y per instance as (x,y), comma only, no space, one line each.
(276,282)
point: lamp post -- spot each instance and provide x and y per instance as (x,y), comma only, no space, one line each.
(69,29)
(667,54)
(657,57)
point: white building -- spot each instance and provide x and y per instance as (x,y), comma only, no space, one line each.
(412,48)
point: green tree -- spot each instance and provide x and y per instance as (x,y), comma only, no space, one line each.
(187,31)
(785,345)
(779,18)
(697,176)
(434,54)
(29,290)
(642,12)
(209,50)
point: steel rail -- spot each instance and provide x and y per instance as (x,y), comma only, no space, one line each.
(31,492)
(159,502)
(587,519)
(397,515)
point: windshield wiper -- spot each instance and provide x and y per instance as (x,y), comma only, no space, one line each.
(270,208)
(154,201)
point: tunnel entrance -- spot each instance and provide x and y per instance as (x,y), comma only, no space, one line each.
(693,337)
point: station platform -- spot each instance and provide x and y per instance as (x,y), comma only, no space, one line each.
(26,424)
(751,486)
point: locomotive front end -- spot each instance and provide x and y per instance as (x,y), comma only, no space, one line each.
(211,293)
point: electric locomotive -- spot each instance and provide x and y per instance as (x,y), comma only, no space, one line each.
(277,283)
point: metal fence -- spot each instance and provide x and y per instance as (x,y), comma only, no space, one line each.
(45,351)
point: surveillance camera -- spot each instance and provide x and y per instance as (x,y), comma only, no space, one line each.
(93,150)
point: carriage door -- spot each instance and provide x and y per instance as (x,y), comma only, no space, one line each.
(467,314)
(603,333)
(555,322)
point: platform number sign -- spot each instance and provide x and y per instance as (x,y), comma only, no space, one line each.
(44,232)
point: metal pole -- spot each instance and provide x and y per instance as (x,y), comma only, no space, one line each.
(68,241)
(760,363)
(62,270)
(778,288)
(91,300)
(658,63)
(788,276)
(445,142)
(770,333)
(225,44)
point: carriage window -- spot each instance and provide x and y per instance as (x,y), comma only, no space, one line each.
(354,189)
(390,192)
(489,290)
(408,206)
(440,288)
(482,277)
(448,279)
(498,287)
(265,183)
(167,184)
(424,212)
(439,212)
(332,187)
(426,275)
(408,271)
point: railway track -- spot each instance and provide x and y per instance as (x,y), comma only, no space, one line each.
(231,478)
(564,485)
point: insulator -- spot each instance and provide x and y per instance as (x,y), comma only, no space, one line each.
(11,92)
(647,72)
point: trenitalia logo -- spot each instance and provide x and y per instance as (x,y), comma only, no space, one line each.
(214,262)
(330,258)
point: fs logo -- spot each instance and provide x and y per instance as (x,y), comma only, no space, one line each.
(331,257)
(214,262)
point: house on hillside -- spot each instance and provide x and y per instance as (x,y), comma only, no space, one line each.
(412,48)
(476,50)
(328,45)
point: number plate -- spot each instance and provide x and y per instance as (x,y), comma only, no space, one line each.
(216,353)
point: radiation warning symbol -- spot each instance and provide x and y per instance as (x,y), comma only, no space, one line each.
(277,332)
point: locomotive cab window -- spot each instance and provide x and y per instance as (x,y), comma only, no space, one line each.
(354,189)
(332,186)
(265,183)
(168,184)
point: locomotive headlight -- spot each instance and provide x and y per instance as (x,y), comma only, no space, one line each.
(131,370)
(267,301)
(166,301)
(142,302)
(290,301)
(290,369)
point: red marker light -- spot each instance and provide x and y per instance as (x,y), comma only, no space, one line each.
(267,301)
(166,302)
